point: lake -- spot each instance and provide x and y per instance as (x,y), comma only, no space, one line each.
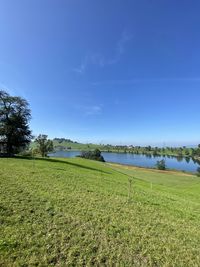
(180,163)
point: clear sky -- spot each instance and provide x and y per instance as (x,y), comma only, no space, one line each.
(106,71)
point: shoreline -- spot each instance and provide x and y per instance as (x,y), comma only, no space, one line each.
(130,152)
(129,166)
(184,170)
(134,167)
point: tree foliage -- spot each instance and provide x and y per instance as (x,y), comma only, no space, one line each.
(15,114)
(94,155)
(161,165)
(44,145)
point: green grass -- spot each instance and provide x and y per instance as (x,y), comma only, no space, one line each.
(76,212)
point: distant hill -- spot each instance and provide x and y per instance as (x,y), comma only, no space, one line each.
(67,144)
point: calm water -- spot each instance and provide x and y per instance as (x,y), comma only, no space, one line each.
(138,160)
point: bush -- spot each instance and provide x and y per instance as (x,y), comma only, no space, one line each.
(29,153)
(94,155)
(160,165)
(25,153)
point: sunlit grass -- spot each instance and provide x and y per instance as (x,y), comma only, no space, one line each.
(77,212)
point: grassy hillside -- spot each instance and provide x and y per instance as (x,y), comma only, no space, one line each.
(73,145)
(74,212)
(66,145)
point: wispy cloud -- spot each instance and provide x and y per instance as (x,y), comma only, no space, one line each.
(89,110)
(91,59)
(120,47)
(144,80)
(100,60)
(93,110)
(82,67)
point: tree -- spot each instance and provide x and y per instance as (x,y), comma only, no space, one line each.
(15,114)
(44,145)
(94,155)
(161,165)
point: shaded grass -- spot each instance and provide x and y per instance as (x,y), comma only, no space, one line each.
(64,162)
(77,213)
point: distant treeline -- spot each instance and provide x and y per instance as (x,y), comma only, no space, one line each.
(156,151)
(61,140)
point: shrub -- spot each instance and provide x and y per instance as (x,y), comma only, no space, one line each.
(161,165)
(25,153)
(94,155)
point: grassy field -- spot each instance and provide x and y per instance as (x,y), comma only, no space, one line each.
(76,212)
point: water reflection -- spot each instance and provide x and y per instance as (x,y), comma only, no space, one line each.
(142,160)
(187,159)
(179,158)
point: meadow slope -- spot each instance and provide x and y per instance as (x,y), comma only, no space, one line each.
(76,212)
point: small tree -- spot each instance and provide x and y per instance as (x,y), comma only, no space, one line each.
(161,165)
(44,145)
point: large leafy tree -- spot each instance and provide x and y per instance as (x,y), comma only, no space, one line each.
(44,145)
(15,114)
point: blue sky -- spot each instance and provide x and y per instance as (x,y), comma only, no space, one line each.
(125,72)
